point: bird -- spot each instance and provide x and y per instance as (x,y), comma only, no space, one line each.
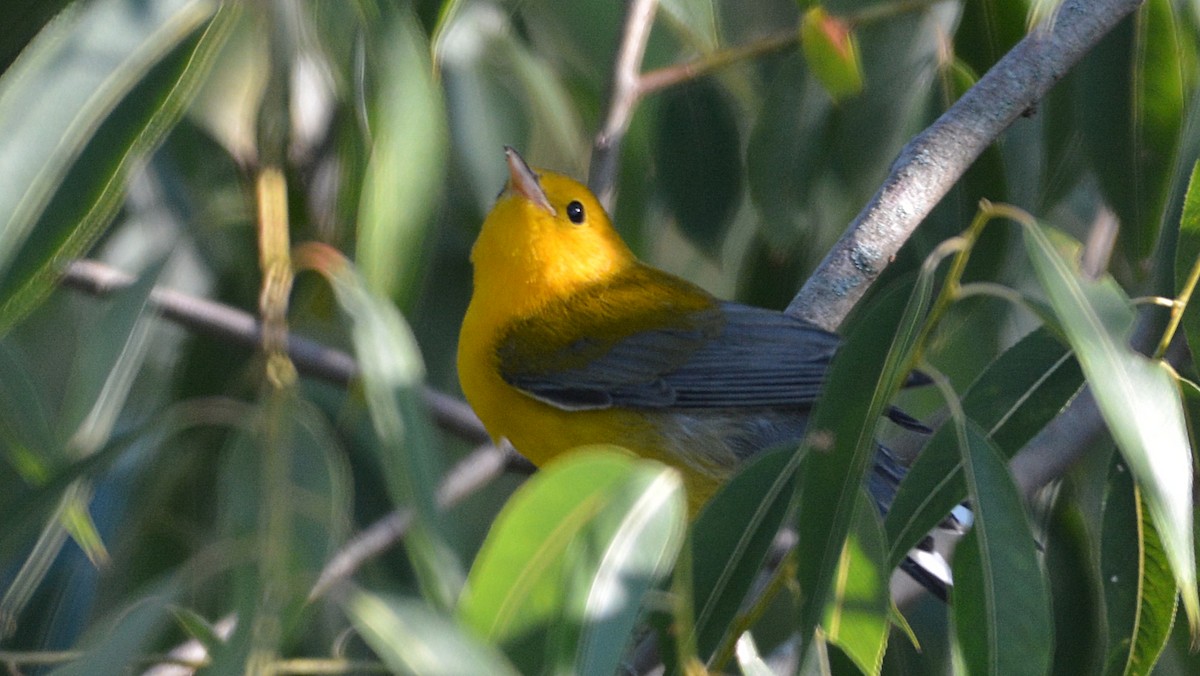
(569,340)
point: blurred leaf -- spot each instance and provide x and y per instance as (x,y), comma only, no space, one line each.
(229,99)
(284,508)
(117,643)
(196,627)
(831,50)
(30,444)
(866,132)
(1063,152)
(560,576)
(499,92)
(392,371)
(787,152)
(987,29)
(856,620)
(1138,398)
(23,20)
(698,161)
(402,185)
(411,638)
(841,437)
(1001,601)
(730,541)
(695,20)
(1131,111)
(109,358)
(91,93)
(1021,390)
(1139,592)
(1187,261)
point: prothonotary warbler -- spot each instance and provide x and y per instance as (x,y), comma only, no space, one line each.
(570,340)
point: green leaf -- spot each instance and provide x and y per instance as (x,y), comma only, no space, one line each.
(1139,592)
(1137,397)
(411,638)
(699,162)
(831,50)
(1131,112)
(405,174)
(1001,601)
(1019,392)
(841,437)
(560,578)
(730,541)
(1074,575)
(856,620)
(97,89)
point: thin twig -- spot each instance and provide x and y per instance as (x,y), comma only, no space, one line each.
(932,162)
(241,328)
(669,76)
(623,99)
(478,469)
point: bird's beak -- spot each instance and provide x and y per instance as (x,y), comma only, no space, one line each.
(522,180)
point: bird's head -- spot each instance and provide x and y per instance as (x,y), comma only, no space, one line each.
(547,234)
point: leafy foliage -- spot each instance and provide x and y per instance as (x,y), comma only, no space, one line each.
(162,484)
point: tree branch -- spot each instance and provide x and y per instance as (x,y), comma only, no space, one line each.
(932,162)
(241,328)
(602,175)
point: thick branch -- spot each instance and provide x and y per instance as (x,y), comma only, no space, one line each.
(933,161)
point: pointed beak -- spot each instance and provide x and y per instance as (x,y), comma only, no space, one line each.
(524,182)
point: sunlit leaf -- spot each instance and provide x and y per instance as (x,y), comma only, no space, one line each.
(856,620)
(563,570)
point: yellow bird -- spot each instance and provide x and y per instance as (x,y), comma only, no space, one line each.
(570,340)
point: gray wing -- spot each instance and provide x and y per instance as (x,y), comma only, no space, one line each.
(730,356)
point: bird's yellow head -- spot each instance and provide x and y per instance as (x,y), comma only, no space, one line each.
(546,237)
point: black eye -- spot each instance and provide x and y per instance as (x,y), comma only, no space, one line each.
(575,212)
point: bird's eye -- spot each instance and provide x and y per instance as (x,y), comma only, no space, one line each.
(575,212)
